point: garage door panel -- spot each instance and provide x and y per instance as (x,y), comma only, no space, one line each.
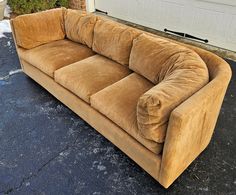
(208,19)
(174,15)
(232,36)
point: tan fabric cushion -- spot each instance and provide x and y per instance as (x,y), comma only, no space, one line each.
(91,75)
(113,40)
(32,30)
(118,102)
(178,72)
(79,26)
(55,55)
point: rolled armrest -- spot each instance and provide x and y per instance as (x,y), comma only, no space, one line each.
(191,126)
(32,30)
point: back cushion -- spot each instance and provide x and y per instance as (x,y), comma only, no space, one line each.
(178,72)
(32,30)
(79,26)
(114,40)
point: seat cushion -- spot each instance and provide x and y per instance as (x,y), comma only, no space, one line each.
(32,30)
(79,26)
(113,40)
(55,55)
(119,101)
(91,75)
(178,72)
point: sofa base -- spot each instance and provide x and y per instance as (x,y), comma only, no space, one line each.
(148,160)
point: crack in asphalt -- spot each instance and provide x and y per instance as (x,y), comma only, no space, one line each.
(25,179)
(11,73)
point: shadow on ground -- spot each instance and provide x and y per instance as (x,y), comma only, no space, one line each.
(47,149)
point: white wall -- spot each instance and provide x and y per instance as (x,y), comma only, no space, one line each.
(90,5)
(214,20)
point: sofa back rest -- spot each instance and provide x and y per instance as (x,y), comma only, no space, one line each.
(114,40)
(217,67)
(156,58)
(178,73)
(79,26)
(32,30)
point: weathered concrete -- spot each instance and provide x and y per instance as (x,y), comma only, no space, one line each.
(47,149)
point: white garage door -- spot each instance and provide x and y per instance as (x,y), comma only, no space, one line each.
(214,20)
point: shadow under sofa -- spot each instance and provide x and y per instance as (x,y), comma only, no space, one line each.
(104,71)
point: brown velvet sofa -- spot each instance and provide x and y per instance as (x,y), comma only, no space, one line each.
(155,99)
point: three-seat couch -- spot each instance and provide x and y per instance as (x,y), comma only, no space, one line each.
(155,99)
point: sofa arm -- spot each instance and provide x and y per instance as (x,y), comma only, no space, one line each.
(190,128)
(32,30)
